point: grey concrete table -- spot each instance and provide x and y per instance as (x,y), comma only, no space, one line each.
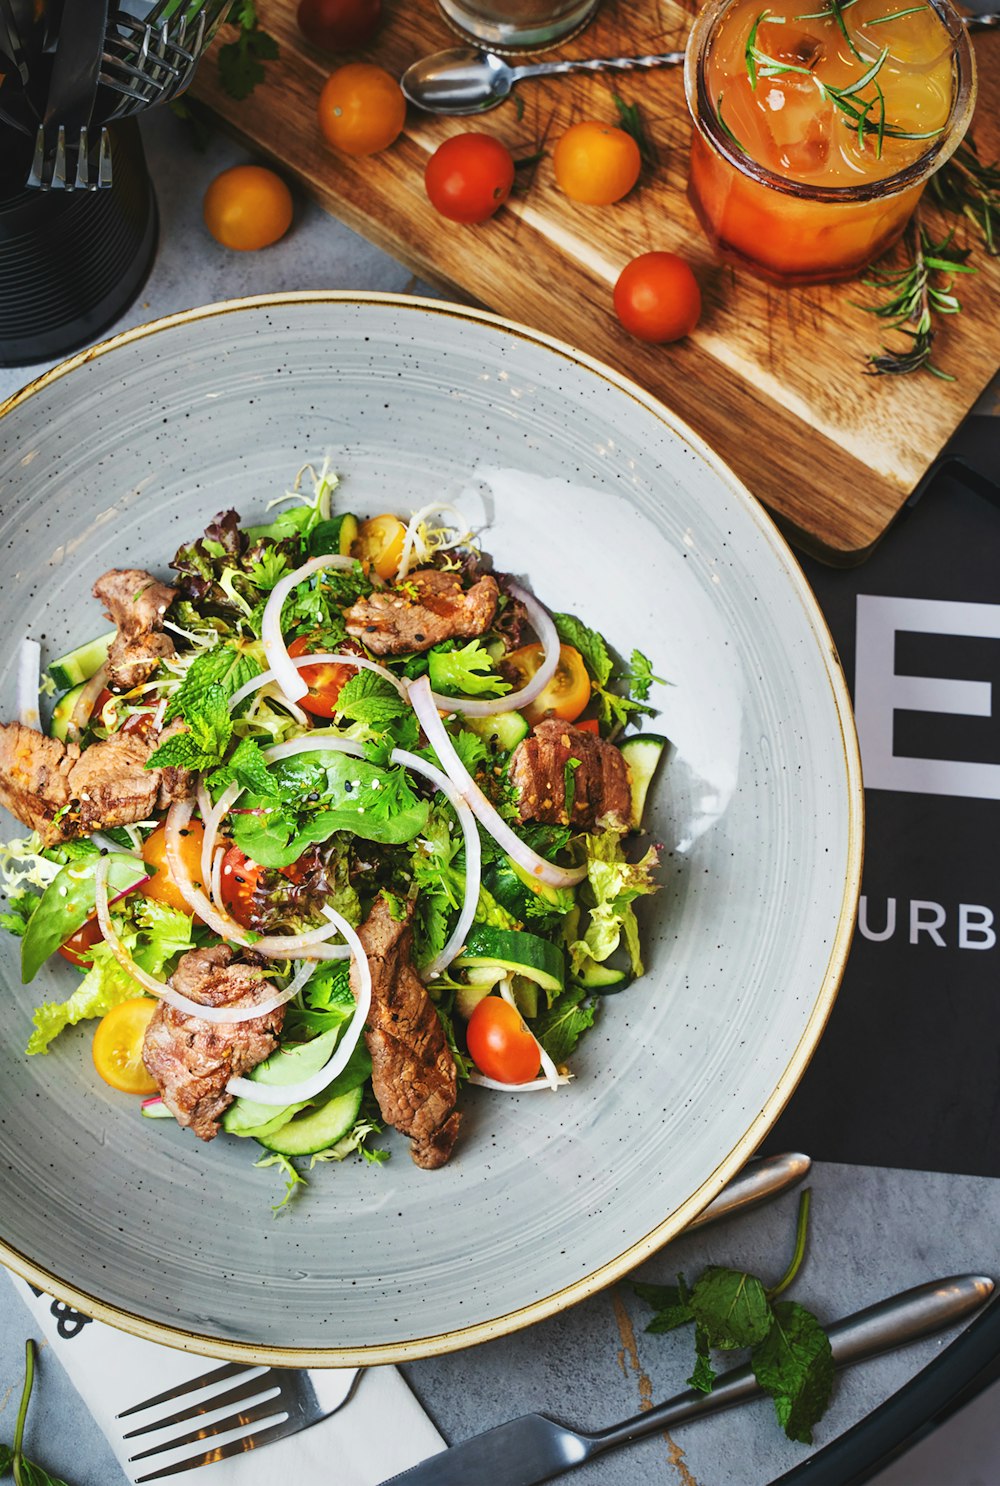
(875,1231)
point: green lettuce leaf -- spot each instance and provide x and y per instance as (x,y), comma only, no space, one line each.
(613,884)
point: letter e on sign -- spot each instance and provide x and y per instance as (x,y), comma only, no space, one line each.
(879,693)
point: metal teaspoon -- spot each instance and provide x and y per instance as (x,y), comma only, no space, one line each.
(466,80)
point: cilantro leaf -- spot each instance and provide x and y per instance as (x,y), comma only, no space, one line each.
(471,749)
(640,675)
(591,645)
(20,907)
(241,61)
(370,699)
(466,672)
(560,1028)
(794,1364)
(731,1307)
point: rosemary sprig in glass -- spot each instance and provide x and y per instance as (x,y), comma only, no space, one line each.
(917,291)
(847,100)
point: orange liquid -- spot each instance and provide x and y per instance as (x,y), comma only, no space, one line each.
(788,125)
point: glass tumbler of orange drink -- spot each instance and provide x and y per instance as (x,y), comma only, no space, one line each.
(817,125)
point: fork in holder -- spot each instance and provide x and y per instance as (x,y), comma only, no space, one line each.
(65,152)
(259,1405)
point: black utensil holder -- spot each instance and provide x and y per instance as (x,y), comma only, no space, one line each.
(71,262)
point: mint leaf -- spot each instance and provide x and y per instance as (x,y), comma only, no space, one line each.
(210,729)
(573,631)
(560,1028)
(704,1374)
(466,672)
(36,1475)
(370,699)
(731,1308)
(246,767)
(794,1364)
(670,1302)
(225,665)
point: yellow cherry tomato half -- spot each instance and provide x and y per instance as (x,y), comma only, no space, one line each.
(361,109)
(247,207)
(596,163)
(566,694)
(379,543)
(117,1046)
(161,887)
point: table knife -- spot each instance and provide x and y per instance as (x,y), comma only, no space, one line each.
(535,1448)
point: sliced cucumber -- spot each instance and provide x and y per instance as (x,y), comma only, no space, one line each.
(524,896)
(642,754)
(155,1109)
(80,664)
(508,728)
(602,978)
(338,534)
(517,952)
(63,711)
(316,1129)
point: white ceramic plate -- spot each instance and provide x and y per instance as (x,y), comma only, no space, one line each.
(611,509)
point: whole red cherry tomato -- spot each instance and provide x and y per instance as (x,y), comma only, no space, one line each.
(469,177)
(500,1044)
(339,25)
(657,297)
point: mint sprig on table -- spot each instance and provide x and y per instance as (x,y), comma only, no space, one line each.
(12,1460)
(732,1310)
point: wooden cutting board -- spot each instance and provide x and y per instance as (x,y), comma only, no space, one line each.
(772,378)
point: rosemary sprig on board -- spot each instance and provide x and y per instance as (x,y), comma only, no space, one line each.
(970,188)
(917,291)
(630,119)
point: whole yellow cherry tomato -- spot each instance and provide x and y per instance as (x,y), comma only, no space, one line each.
(247,208)
(361,109)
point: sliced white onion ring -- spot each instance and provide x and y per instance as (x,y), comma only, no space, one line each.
(280,1095)
(309,945)
(482,1082)
(433,508)
(84,706)
(299,661)
(285,672)
(436,733)
(544,627)
(316,743)
(240,1012)
(29,679)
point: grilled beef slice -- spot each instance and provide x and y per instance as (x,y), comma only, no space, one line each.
(540,768)
(413,1071)
(428,607)
(193,1060)
(106,785)
(34,777)
(136,602)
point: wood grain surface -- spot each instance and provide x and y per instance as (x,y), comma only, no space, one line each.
(772,378)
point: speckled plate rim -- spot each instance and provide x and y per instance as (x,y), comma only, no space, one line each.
(613,1269)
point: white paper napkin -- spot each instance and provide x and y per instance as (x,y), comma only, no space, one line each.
(381,1430)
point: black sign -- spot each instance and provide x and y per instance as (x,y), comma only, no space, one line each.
(908,1071)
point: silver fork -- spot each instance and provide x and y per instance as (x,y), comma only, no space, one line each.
(152,61)
(263,1404)
(63,141)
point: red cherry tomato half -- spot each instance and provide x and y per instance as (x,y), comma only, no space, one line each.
(339,25)
(238,884)
(657,298)
(590,725)
(78,946)
(325,682)
(500,1044)
(469,177)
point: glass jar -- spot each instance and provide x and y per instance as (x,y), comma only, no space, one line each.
(514,23)
(782,178)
